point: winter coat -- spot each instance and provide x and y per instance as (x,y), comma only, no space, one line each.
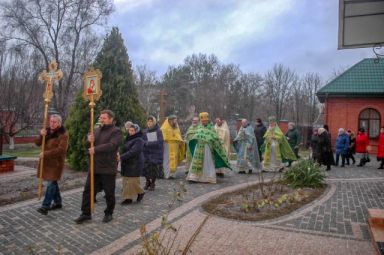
(107,141)
(380,147)
(352,145)
(293,138)
(362,142)
(131,156)
(56,144)
(259,134)
(325,150)
(315,146)
(342,144)
(153,150)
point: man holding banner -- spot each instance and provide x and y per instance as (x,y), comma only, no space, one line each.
(106,139)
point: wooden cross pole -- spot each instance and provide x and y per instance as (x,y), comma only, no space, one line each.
(163,106)
(49,78)
(92,92)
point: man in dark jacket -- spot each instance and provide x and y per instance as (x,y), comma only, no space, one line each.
(107,139)
(260,130)
(293,137)
(56,144)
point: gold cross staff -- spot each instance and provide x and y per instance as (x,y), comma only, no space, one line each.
(49,78)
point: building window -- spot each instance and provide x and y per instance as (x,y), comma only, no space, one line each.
(369,119)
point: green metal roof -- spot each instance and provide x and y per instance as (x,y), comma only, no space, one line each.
(365,78)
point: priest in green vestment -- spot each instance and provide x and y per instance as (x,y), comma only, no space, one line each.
(276,148)
(207,152)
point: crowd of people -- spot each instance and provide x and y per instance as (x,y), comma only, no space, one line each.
(348,145)
(157,151)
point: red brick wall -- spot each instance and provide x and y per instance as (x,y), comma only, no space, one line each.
(283,125)
(7,165)
(343,112)
(22,140)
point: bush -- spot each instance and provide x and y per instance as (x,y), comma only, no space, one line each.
(306,173)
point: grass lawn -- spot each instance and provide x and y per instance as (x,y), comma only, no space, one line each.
(23,152)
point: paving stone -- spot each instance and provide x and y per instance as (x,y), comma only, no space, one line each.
(356,189)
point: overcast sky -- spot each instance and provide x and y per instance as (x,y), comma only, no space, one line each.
(254,34)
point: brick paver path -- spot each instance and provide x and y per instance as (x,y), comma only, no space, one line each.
(340,217)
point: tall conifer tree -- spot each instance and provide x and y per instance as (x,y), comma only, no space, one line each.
(119,91)
(119,95)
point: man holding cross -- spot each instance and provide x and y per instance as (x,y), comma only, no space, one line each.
(56,144)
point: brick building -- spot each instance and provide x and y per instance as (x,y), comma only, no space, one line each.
(356,99)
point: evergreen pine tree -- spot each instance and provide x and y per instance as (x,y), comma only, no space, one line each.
(119,91)
(119,95)
(77,125)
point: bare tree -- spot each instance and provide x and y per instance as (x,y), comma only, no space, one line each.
(148,89)
(277,88)
(311,83)
(19,108)
(57,29)
(252,83)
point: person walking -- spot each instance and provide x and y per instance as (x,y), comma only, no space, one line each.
(352,147)
(380,148)
(314,144)
(174,147)
(260,130)
(362,142)
(132,163)
(56,144)
(248,158)
(293,137)
(325,149)
(153,153)
(107,139)
(187,137)
(276,148)
(342,144)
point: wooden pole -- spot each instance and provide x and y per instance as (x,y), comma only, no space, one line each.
(49,78)
(39,192)
(91,163)
(162,105)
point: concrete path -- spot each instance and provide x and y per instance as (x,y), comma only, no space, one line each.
(336,223)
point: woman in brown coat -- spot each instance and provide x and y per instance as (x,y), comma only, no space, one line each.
(56,144)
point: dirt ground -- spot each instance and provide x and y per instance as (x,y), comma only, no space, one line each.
(241,204)
(24,185)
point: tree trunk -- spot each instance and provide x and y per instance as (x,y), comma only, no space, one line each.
(1,141)
(11,142)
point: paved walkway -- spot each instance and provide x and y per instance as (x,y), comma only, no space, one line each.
(334,224)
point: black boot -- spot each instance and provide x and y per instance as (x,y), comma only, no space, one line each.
(381,165)
(140,197)
(147,183)
(361,163)
(152,185)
